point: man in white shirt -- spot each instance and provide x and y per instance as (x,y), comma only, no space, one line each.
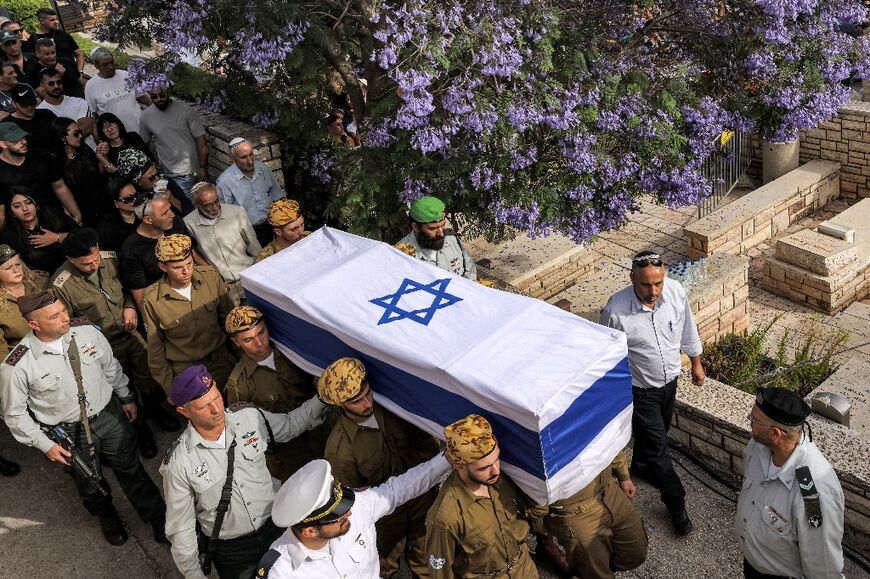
(654,313)
(71,107)
(224,236)
(107,92)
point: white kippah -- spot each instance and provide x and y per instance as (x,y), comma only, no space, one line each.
(237,141)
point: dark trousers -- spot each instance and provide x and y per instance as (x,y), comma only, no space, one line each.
(238,558)
(265,233)
(653,411)
(749,572)
(115,444)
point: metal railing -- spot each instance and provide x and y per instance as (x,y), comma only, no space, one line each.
(724,167)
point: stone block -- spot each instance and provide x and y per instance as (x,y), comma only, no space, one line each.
(815,251)
(843,382)
(716,453)
(741,295)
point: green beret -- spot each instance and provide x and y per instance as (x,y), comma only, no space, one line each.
(427,210)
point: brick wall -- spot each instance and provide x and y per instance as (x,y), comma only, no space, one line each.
(220,130)
(846,139)
(719,303)
(765,212)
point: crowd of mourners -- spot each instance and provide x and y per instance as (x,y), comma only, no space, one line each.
(121,306)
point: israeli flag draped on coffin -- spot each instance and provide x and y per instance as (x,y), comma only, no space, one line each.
(437,347)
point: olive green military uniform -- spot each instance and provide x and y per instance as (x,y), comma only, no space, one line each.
(101,298)
(182,333)
(280,390)
(468,536)
(13,326)
(598,526)
(366,457)
(268,251)
(451,257)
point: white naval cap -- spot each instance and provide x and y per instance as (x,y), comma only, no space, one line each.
(311,497)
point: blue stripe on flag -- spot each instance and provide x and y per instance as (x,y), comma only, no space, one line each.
(566,437)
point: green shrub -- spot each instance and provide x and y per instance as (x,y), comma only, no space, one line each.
(744,362)
(25,11)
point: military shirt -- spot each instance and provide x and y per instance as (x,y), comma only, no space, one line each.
(471,536)
(180,330)
(772,522)
(579,501)
(365,457)
(268,251)
(13,326)
(37,378)
(102,304)
(354,555)
(451,257)
(278,390)
(195,470)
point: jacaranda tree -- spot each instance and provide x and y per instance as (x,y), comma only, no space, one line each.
(543,116)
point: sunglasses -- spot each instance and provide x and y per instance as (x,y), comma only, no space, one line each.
(15,30)
(646,260)
(128,198)
(75,134)
(54,83)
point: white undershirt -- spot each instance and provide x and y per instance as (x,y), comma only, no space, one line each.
(55,345)
(773,470)
(370,422)
(185,291)
(222,439)
(268,362)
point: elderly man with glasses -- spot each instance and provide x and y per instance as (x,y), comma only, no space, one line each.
(654,313)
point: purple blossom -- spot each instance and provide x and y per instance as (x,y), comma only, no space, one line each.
(265,119)
(144,77)
(413,189)
(320,166)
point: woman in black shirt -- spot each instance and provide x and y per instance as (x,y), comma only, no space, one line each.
(114,138)
(35,232)
(117,224)
(82,172)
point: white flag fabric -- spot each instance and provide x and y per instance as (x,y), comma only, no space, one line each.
(437,347)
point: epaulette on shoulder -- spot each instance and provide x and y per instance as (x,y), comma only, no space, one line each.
(80,321)
(108,255)
(169,452)
(266,563)
(240,406)
(15,355)
(61,278)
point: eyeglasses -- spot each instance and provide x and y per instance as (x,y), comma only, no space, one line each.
(644,261)
(758,422)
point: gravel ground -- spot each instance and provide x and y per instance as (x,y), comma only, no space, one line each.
(45,532)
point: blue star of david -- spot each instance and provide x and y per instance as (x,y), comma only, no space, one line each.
(392,312)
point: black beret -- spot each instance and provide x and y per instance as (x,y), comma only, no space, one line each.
(79,242)
(32,302)
(783,406)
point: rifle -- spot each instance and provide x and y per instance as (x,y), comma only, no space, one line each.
(83,466)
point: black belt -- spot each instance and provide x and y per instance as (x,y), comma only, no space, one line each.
(264,528)
(66,425)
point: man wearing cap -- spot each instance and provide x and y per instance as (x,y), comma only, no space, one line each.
(433,243)
(224,236)
(196,469)
(288,226)
(251,185)
(63,373)
(184,313)
(34,169)
(139,267)
(476,527)
(324,538)
(11,43)
(368,446)
(655,315)
(267,379)
(35,122)
(790,512)
(89,286)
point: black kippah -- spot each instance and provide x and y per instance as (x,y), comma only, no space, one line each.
(783,406)
(79,242)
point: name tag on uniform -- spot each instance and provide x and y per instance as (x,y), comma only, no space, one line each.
(777,521)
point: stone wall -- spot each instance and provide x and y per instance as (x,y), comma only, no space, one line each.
(220,130)
(719,301)
(711,421)
(765,212)
(845,139)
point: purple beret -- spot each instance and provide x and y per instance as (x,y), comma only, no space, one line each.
(190,385)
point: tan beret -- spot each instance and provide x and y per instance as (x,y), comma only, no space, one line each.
(173,247)
(342,381)
(242,319)
(31,302)
(283,211)
(469,439)
(406,247)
